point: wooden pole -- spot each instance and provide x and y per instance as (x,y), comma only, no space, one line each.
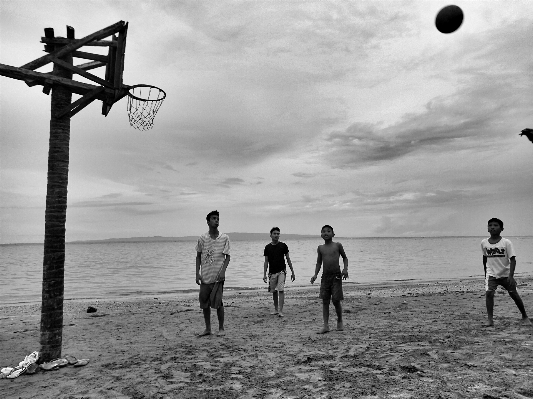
(55,219)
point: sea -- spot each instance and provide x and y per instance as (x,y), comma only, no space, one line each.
(119,270)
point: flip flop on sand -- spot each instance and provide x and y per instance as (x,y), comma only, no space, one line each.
(81,362)
(54,364)
(70,359)
(18,371)
(6,371)
(32,368)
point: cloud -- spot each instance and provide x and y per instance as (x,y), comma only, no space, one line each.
(231,181)
(417,199)
(282,32)
(304,175)
(314,111)
(471,117)
(104,204)
(188,193)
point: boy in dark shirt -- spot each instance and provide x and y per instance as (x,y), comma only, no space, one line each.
(275,254)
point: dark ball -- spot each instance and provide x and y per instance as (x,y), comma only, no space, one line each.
(449,19)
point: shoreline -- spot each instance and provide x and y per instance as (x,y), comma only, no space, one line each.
(228,290)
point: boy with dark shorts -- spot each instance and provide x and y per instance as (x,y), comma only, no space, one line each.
(331,282)
(499,262)
(275,254)
(212,259)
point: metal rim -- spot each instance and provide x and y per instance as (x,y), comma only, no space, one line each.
(145,99)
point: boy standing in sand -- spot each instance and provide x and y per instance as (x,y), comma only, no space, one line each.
(212,259)
(331,283)
(499,263)
(275,254)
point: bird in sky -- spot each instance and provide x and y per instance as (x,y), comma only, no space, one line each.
(528,133)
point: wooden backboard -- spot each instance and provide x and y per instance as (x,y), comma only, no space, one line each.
(109,90)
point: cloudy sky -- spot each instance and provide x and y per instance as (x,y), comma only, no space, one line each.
(358,114)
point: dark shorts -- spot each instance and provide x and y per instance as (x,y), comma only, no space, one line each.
(491,283)
(331,287)
(207,300)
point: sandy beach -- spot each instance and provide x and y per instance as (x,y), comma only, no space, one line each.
(401,340)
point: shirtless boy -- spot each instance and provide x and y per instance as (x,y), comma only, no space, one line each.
(331,282)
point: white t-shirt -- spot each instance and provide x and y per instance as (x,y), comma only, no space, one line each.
(498,257)
(213,252)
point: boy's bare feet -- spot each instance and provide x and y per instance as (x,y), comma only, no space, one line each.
(490,323)
(274,312)
(526,322)
(323,330)
(340,326)
(206,332)
(281,314)
(221,333)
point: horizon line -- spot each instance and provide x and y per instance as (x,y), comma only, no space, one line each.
(190,237)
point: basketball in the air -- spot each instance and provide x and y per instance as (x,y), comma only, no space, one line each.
(449,19)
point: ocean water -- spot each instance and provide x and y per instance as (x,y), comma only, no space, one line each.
(118,270)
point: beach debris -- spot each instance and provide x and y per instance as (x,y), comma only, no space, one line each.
(90,309)
(410,368)
(14,372)
(304,359)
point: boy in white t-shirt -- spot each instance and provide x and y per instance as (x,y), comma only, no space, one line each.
(499,262)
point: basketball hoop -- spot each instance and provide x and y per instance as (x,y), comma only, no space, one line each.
(143,103)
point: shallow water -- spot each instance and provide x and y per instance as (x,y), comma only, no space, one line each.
(113,270)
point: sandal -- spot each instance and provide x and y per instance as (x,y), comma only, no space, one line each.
(70,359)
(81,362)
(16,372)
(32,368)
(6,371)
(54,364)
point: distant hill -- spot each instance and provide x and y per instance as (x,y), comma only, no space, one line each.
(233,237)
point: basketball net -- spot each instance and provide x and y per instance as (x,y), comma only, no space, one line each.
(143,103)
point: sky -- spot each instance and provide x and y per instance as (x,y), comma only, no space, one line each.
(296,114)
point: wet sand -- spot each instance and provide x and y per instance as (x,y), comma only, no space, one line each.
(401,340)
